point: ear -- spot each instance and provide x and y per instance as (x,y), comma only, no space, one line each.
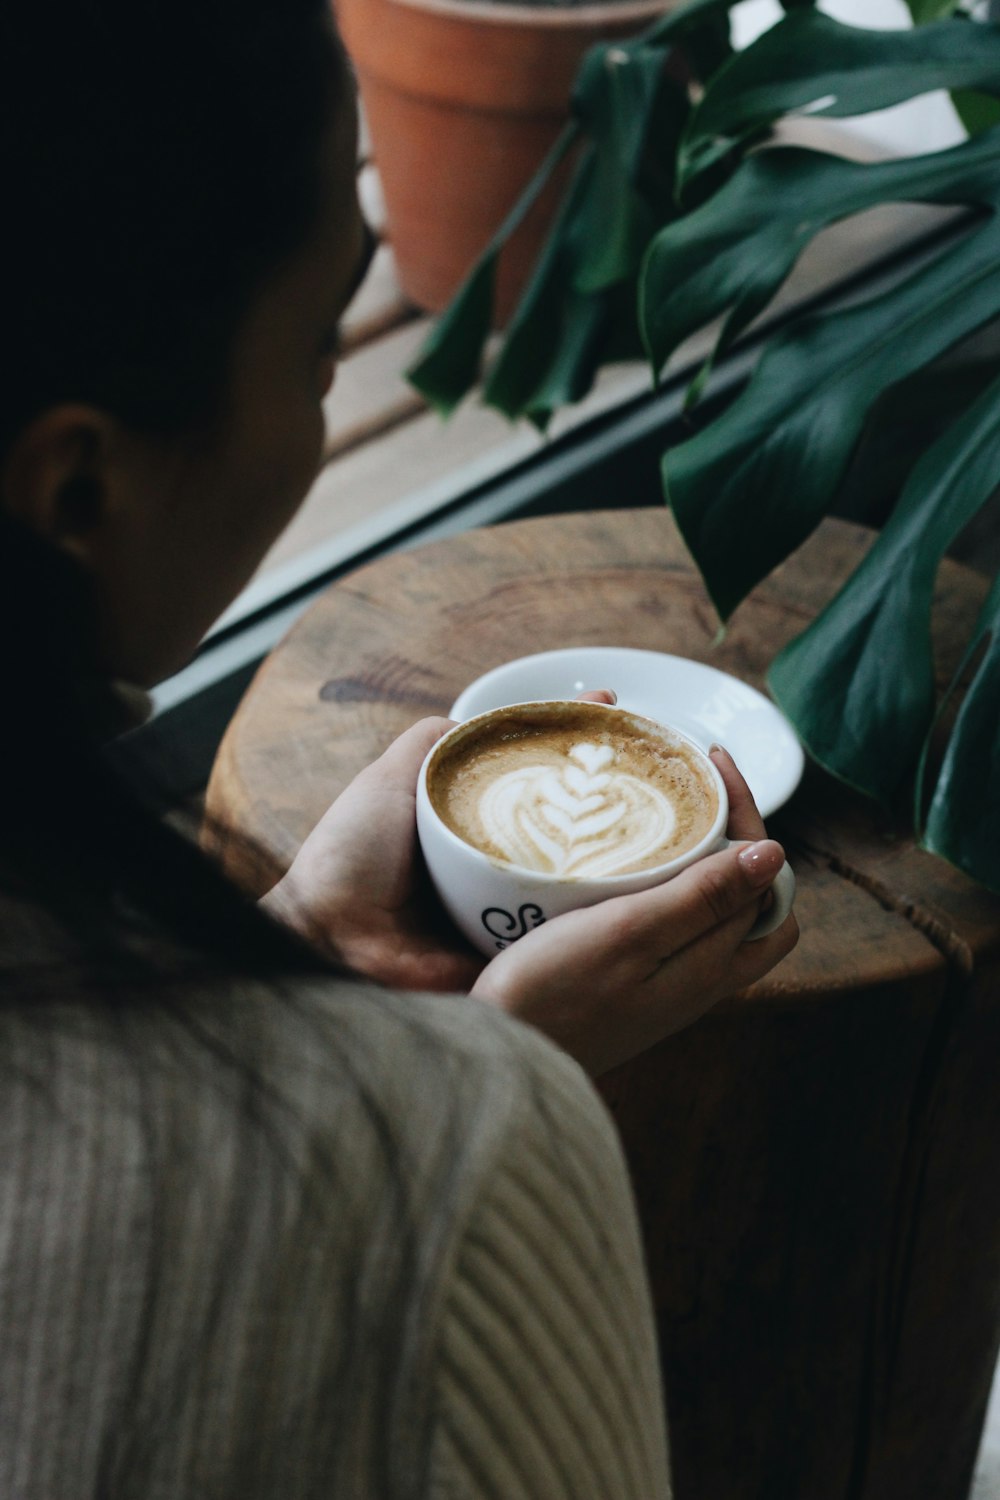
(58,478)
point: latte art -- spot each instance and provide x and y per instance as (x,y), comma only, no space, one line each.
(585,817)
(574,792)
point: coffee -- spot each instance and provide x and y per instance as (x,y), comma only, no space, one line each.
(573,791)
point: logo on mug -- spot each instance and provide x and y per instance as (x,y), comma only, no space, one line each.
(506,928)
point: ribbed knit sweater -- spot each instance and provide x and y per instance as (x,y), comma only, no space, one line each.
(328,1242)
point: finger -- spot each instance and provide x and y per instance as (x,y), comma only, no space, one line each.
(745,822)
(583,980)
(664,920)
(752,961)
(718,965)
(399,765)
(598,695)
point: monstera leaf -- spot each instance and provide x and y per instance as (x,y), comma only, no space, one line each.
(627,119)
(860,680)
(976,111)
(553,344)
(923,11)
(753,485)
(449,363)
(812,64)
(963,821)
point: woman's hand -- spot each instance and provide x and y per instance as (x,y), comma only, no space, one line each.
(611,980)
(357,889)
(605,983)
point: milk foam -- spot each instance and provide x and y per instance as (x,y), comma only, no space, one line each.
(581,817)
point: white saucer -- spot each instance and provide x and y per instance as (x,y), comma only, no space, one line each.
(709,706)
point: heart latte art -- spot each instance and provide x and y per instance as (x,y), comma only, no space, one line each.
(580,799)
(584,817)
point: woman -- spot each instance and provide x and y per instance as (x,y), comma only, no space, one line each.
(266,1227)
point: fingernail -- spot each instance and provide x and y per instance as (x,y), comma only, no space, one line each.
(611,694)
(714,747)
(761,862)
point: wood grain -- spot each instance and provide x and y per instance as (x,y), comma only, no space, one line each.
(816,1161)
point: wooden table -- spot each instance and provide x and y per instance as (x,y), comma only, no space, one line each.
(817,1162)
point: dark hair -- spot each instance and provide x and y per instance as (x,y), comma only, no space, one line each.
(158,159)
(159,156)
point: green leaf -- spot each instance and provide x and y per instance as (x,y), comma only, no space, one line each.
(963,821)
(688,19)
(734,252)
(749,489)
(905,421)
(811,63)
(859,684)
(706,49)
(752,486)
(557,335)
(551,338)
(863,722)
(615,97)
(731,255)
(923,11)
(598,244)
(977,112)
(700,30)
(570,374)
(448,365)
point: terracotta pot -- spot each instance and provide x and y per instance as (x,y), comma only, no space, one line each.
(463,101)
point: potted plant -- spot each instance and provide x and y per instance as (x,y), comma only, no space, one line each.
(749,487)
(464,100)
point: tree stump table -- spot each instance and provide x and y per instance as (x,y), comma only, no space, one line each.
(817,1162)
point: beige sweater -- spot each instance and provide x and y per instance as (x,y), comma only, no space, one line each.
(335,1243)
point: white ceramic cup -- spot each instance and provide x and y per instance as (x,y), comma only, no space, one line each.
(493,902)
